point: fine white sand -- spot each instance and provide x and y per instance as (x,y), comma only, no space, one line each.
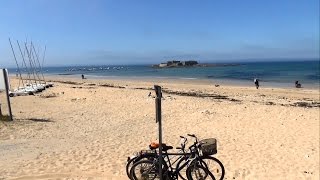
(87,131)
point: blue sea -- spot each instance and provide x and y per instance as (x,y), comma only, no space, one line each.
(272,73)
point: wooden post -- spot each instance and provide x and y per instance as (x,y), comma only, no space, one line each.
(158,120)
(6,82)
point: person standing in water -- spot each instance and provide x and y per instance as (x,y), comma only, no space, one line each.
(297,84)
(256,82)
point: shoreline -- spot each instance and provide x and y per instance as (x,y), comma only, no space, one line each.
(190,87)
(271,74)
(184,80)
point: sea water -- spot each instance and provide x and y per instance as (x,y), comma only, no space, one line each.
(272,73)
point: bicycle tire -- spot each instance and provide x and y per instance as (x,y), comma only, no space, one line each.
(182,175)
(217,170)
(200,172)
(136,159)
(129,165)
(148,171)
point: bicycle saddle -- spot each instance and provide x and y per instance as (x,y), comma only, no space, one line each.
(154,146)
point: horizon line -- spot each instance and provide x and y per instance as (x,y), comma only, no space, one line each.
(239,61)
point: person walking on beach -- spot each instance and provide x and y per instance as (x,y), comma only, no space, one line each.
(256,82)
(82,76)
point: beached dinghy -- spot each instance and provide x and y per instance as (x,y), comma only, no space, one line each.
(27,89)
(20,92)
(38,87)
(49,84)
(35,87)
(45,85)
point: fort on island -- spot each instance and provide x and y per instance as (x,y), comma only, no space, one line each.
(175,63)
(190,63)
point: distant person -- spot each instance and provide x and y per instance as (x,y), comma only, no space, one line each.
(82,76)
(297,84)
(256,82)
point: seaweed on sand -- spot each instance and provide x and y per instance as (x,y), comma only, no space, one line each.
(200,94)
(111,85)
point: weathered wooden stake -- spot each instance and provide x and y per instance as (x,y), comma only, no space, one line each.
(158,120)
(6,82)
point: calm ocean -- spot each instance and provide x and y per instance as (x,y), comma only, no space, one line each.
(285,73)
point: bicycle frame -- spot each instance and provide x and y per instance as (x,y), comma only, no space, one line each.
(190,157)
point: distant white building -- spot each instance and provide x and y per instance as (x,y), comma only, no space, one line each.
(175,63)
(162,64)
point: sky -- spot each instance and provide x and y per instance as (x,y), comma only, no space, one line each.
(86,32)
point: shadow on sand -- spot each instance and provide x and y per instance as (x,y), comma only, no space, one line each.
(38,120)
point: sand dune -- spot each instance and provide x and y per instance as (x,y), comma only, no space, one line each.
(86,130)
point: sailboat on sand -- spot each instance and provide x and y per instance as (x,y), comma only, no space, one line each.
(34,82)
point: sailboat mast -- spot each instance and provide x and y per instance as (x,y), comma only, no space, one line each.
(14,55)
(33,63)
(29,56)
(44,54)
(23,61)
(40,68)
(25,64)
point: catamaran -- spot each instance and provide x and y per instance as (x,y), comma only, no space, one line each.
(21,90)
(33,83)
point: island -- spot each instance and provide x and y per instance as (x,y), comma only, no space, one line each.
(190,63)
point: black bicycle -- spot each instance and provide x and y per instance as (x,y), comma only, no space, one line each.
(151,154)
(197,163)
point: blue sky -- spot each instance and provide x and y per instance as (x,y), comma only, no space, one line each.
(151,31)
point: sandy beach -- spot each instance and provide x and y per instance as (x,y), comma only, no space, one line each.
(86,129)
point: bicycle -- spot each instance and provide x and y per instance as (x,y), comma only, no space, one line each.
(197,167)
(151,154)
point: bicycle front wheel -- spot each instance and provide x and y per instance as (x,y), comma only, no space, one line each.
(182,170)
(198,171)
(214,166)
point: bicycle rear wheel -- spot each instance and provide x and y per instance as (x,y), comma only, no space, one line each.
(134,160)
(144,170)
(129,165)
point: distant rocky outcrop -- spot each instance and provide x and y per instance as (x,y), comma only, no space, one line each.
(175,63)
(190,63)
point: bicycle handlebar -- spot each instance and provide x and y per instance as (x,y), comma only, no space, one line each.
(183,144)
(194,136)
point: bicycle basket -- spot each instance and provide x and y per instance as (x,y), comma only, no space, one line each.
(208,146)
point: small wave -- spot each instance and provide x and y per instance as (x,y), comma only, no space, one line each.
(65,74)
(161,77)
(187,78)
